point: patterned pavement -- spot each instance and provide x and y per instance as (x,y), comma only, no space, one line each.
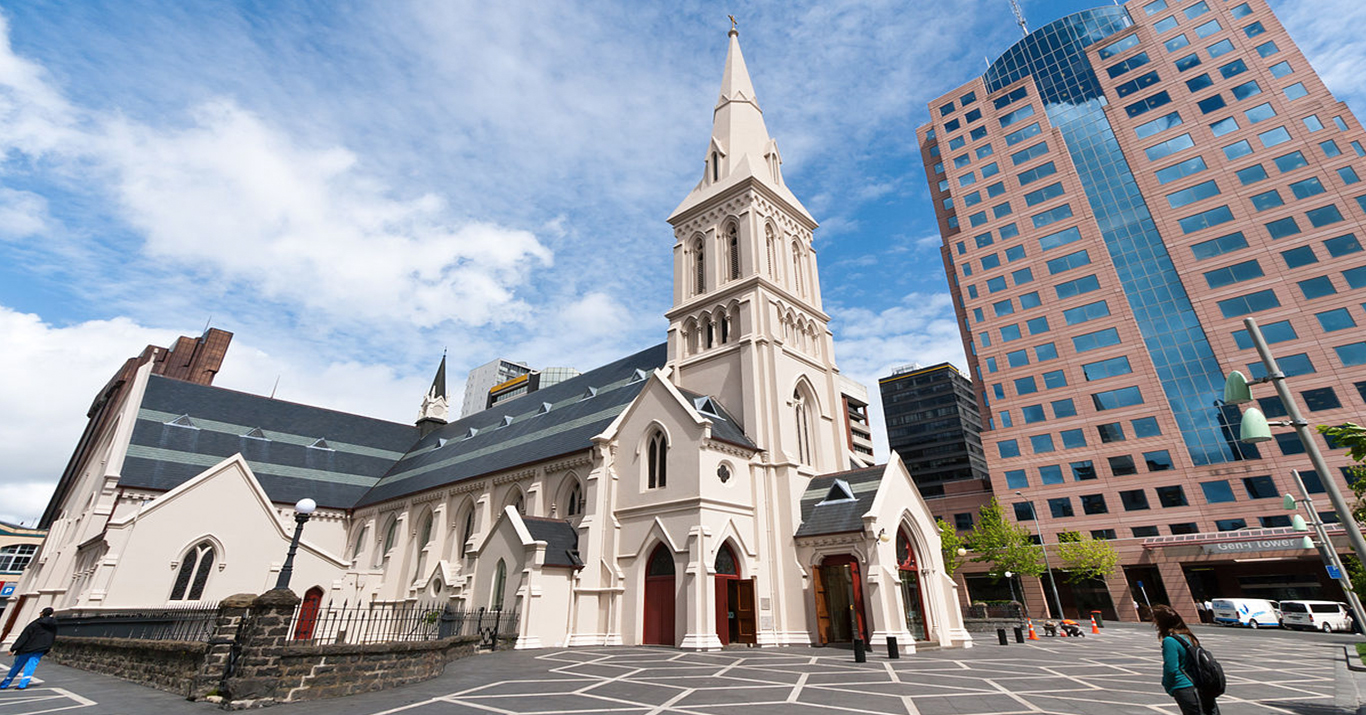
(1114,673)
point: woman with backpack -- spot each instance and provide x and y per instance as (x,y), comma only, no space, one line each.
(1178,647)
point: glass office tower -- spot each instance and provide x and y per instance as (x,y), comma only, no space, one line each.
(1119,190)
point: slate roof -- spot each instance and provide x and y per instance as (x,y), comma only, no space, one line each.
(838,516)
(162,455)
(548,423)
(723,426)
(183,428)
(562,540)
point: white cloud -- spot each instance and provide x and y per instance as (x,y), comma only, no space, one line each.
(22,214)
(870,345)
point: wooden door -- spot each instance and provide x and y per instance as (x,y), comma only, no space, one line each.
(822,613)
(660,594)
(308,614)
(744,611)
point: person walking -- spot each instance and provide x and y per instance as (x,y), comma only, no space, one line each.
(34,642)
(1175,636)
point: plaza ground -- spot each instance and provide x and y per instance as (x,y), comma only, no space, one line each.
(1115,672)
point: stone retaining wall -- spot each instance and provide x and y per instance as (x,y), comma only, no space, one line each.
(332,671)
(164,665)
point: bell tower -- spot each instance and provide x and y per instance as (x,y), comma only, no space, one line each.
(746,325)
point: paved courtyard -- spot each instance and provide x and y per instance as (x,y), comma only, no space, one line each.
(1116,672)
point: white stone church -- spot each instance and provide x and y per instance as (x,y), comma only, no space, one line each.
(699,493)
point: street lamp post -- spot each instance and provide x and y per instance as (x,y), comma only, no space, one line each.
(1038,527)
(1325,546)
(1255,428)
(302,511)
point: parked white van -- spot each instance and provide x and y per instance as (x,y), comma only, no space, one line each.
(1325,616)
(1250,612)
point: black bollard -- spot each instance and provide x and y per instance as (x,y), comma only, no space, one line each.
(892,650)
(1019,634)
(1001,636)
(860,656)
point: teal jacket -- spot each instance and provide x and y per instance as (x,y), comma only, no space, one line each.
(1174,664)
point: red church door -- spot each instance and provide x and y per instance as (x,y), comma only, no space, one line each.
(659,598)
(308,614)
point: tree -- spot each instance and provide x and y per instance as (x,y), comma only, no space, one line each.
(1003,544)
(1352,437)
(1085,558)
(949,543)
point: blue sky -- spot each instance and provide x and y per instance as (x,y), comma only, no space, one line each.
(352,187)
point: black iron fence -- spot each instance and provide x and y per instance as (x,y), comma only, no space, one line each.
(185,623)
(997,609)
(387,623)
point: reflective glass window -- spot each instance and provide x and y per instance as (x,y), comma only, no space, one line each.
(1238,272)
(1251,174)
(1181,170)
(1260,113)
(1190,195)
(1163,123)
(1250,303)
(1090,311)
(1266,200)
(1099,339)
(1219,246)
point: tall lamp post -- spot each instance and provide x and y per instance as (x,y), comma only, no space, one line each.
(1254,428)
(1038,527)
(302,511)
(1325,546)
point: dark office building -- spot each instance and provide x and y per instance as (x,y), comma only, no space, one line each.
(933,424)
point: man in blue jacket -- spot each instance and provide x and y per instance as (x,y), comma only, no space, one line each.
(33,643)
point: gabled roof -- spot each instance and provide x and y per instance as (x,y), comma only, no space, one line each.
(827,510)
(581,407)
(562,540)
(163,452)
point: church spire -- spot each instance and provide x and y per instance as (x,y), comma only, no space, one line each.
(740,146)
(434,405)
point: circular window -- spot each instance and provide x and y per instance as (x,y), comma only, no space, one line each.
(723,472)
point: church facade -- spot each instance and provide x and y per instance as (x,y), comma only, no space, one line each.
(699,493)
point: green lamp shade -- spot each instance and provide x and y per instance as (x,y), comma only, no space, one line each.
(1288,502)
(1254,428)
(1306,543)
(1236,391)
(1297,523)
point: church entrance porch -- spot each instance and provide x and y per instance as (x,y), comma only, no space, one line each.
(735,621)
(840,609)
(660,597)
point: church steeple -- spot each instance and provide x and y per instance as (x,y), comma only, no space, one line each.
(740,146)
(435,407)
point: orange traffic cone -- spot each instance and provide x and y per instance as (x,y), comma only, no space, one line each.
(1094,629)
(1032,635)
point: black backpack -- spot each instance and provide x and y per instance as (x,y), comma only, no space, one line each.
(1205,671)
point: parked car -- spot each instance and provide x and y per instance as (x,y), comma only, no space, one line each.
(1326,616)
(1250,612)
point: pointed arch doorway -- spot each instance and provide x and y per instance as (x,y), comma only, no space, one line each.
(735,621)
(660,594)
(912,597)
(840,611)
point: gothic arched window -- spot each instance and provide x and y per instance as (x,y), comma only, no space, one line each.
(733,250)
(500,577)
(699,268)
(657,455)
(802,407)
(574,504)
(195,566)
(467,532)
